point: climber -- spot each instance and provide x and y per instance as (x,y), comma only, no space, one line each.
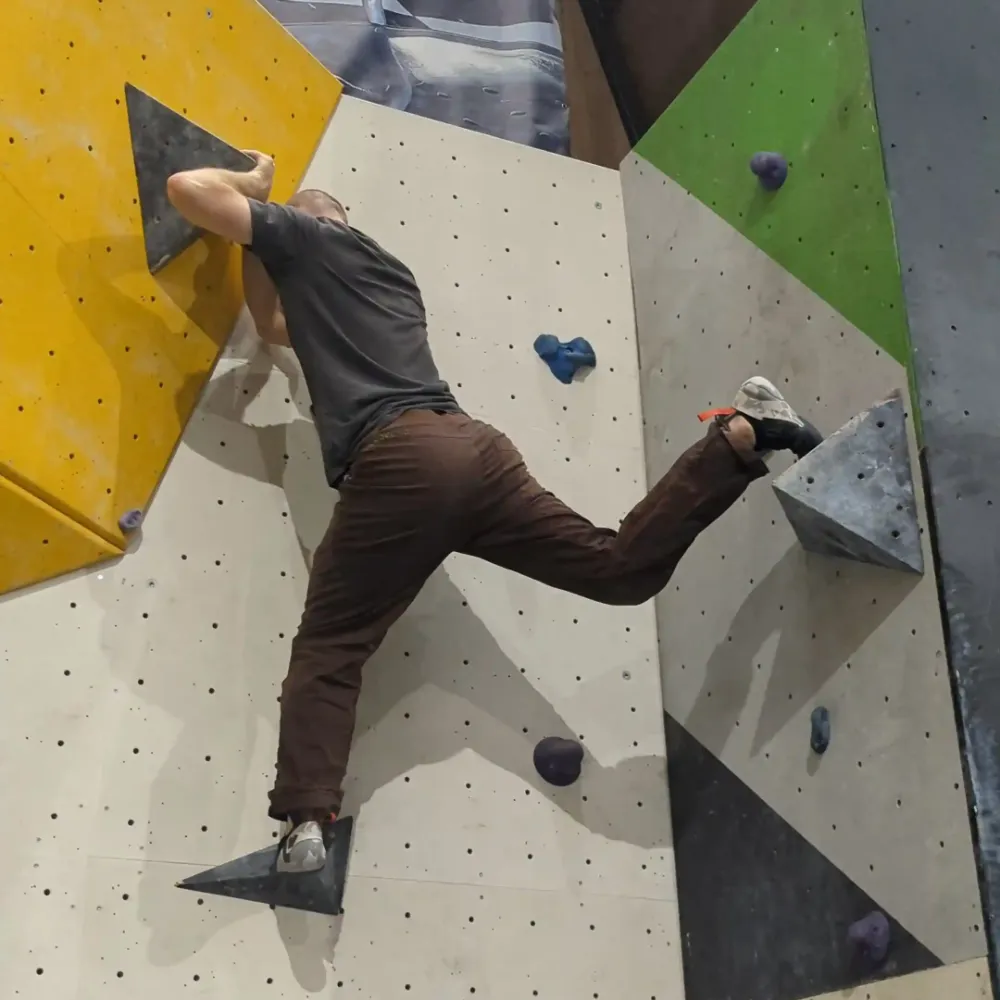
(418,477)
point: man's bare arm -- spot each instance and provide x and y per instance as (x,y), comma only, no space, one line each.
(263,302)
(217,200)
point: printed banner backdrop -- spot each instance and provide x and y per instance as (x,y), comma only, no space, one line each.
(494,66)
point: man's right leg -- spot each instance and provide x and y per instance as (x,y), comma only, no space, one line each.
(528,530)
(391,529)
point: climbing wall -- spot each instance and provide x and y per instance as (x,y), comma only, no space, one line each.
(101,363)
(138,731)
(936,87)
(801,286)
(967,981)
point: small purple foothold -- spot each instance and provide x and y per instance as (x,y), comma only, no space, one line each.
(558,760)
(871,936)
(771,169)
(130,521)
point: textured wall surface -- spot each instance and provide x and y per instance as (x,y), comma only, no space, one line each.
(754,633)
(100,363)
(137,732)
(965,981)
(936,86)
(809,98)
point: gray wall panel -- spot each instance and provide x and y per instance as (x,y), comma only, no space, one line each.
(753,631)
(937,88)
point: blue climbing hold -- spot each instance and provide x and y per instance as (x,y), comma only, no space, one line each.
(871,937)
(819,738)
(771,169)
(130,521)
(565,359)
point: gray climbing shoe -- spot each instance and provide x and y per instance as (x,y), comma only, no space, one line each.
(776,425)
(302,848)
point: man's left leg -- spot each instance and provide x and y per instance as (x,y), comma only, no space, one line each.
(401,512)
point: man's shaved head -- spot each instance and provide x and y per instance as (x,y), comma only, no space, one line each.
(318,203)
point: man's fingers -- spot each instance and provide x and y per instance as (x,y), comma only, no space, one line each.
(258,157)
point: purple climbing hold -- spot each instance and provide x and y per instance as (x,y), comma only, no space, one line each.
(130,521)
(771,169)
(871,936)
(558,760)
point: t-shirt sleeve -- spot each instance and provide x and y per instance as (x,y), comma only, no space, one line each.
(278,235)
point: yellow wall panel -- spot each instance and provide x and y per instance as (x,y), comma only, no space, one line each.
(46,544)
(225,64)
(96,380)
(100,362)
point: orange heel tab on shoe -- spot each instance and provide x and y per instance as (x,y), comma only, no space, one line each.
(722,411)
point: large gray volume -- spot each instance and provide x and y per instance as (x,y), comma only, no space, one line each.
(853,496)
(163,143)
(937,92)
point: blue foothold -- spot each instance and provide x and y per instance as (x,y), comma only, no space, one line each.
(771,169)
(819,738)
(130,521)
(546,345)
(565,359)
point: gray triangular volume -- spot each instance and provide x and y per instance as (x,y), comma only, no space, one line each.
(816,533)
(164,142)
(254,877)
(853,496)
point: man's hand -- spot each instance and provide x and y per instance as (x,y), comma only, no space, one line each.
(263,174)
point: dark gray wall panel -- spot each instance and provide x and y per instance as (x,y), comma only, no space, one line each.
(749,884)
(937,89)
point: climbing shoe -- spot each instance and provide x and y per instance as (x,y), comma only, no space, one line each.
(776,426)
(302,848)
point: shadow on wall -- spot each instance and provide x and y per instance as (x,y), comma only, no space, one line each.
(438,631)
(88,270)
(794,602)
(269,453)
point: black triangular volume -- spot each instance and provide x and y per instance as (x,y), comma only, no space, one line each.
(254,877)
(163,143)
(763,913)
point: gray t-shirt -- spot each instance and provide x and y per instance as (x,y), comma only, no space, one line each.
(357,323)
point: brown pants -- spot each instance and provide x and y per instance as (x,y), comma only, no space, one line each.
(430,484)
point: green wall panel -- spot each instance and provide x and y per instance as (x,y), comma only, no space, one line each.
(793,77)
